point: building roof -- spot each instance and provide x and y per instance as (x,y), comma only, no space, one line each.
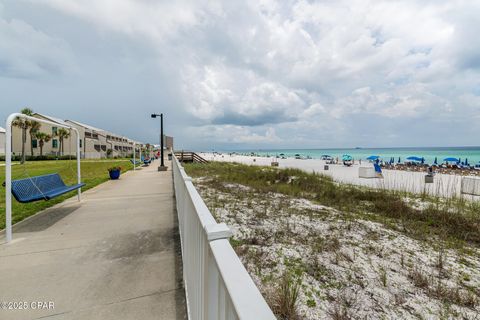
(87,126)
(2,130)
(50,118)
(103,132)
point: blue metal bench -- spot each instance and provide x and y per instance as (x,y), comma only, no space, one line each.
(44,187)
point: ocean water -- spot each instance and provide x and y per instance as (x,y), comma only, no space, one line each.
(470,153)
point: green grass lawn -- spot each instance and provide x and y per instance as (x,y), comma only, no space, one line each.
(94,172)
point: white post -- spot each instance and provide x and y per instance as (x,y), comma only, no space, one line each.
(8,177)
(8,165)
(79,176)
(134,166)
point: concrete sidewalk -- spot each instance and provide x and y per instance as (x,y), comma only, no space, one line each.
(115,255)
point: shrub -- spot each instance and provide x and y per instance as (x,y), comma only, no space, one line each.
(287,297)
(457,220)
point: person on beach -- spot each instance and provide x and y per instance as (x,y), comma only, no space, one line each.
(430,171)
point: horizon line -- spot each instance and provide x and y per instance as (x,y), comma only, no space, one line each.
(343,148)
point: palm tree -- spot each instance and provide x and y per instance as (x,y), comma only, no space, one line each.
(147,150)
(42,137)
(34,127)
(62,135)
(23,124)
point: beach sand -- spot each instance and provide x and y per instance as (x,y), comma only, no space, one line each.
(348,266)
(444,185)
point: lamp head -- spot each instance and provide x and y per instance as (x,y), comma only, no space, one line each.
(154,115)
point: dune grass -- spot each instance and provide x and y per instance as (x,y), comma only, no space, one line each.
(94,172)
(455,220)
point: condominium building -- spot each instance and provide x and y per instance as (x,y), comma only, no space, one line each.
(168,142)
(99,143)
(49,144)
(2,141)
(95,143)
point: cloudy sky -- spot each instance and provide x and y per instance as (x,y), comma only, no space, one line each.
(251,73)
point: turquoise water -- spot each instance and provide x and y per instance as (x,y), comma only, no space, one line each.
(470,153)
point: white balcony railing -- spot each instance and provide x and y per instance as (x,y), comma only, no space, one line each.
(217,285)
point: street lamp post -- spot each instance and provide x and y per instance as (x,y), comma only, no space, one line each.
(162,166)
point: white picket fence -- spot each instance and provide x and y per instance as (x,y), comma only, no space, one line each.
(470,185)
(217,285)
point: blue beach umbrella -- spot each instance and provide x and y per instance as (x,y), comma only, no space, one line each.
(414,158)
(399,160)
(451,159)
(459,160)
(423,160)
(347,157)
(373,158)
(466,161)
(436,161)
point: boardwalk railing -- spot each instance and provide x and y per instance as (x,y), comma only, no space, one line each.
(189,156)
(217,285)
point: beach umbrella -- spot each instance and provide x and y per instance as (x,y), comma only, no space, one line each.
(451,159)
(347,157)
(459,160)
(373,158)
(399,160)
(423,160)
(414,158)
(466,161)
(436,161)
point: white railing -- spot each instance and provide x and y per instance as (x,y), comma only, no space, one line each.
(217,285)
